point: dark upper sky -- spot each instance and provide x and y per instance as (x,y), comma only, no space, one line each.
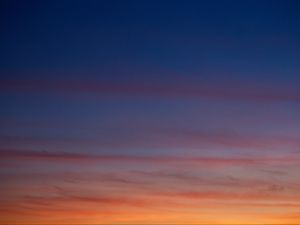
(143,39)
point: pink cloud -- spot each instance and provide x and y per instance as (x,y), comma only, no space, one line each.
(14,154)
(150,137)
(212,91)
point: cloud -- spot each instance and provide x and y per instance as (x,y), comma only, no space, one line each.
(169,138)
(105,88)
(83,199)
(274,172)
(15,154)
(233,195)
(276,188)
(189,178)
(230,139)
(112,178)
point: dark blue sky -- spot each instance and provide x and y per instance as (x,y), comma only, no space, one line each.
(145,39)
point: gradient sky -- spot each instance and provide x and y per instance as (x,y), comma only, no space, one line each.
(150,112)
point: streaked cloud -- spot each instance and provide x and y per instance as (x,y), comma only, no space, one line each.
(212,91)
(15,154)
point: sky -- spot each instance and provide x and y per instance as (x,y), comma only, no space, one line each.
(149,112)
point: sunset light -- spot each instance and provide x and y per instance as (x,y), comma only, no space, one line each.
(147,112)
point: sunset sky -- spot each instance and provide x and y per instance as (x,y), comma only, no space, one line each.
(149,112)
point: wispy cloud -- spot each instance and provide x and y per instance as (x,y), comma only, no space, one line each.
(212,91)
(155,137)
(15,154)
(250,196)
(189,178)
